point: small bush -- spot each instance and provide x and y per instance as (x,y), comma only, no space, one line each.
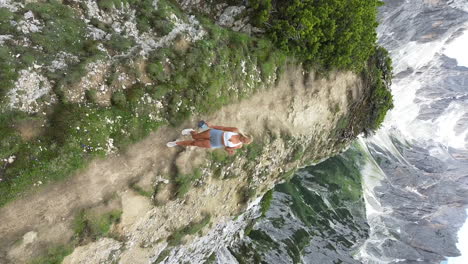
(91,96)
(120,43)
(134,94)
(333,34)
(261,10)
(379,76)
(118,99)
(156,71)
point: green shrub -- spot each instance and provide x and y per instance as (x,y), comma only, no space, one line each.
(156,71)
(333,34)
(379,77)
(120,43)
(261,10)
(91,96)
(118,99)
(134,94)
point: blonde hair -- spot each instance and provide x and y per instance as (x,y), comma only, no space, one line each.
(246,139)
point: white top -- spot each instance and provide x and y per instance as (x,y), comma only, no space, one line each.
(227,143)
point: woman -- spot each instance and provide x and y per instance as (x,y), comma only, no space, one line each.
(228,138)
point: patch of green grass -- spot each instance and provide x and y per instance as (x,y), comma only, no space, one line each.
(141,191)
(288,174)
(254,151)
(265,203)
(156,71)
(183,182)
(192,228)
(118,99)
(87,226)
(54,255)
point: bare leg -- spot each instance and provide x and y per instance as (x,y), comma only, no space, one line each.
(195,143)
(205,135)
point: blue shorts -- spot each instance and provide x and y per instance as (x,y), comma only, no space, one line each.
(216,138)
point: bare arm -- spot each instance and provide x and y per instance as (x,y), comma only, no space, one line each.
(231,151)
(231,129)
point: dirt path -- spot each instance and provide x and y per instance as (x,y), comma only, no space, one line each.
(44,218)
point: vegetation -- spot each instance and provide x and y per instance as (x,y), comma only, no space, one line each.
(184,181)
(54,255)
(224,67)
(87,226)
(265,203)
(211,259)
(379,77)
(91,226)
(330,33)
(143,192)
(192,228)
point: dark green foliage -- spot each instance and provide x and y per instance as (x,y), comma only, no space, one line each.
(155,19)
(108,4)
(192,228)
(11,140)
(379,77)
(331,33)
(7,71)
(262,9)
(5,17)
(265,203)
(134,94)
(119,43)
(156,71)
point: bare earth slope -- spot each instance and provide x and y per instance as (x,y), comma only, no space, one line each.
(308,110)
